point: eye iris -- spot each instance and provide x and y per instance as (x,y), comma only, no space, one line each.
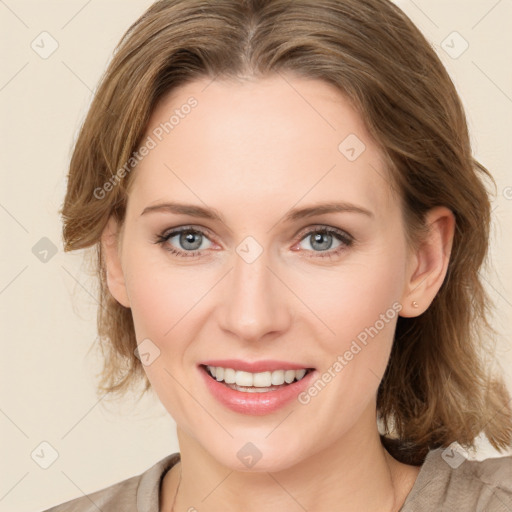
(187,237)
(317,237)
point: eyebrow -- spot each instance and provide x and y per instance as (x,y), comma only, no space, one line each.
(292,215)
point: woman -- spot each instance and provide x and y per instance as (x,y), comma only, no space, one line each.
(290,226)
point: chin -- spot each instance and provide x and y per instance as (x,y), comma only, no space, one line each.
(256,453)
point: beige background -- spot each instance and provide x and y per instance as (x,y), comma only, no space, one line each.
(48,309)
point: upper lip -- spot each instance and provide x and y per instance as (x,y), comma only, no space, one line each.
(254,366)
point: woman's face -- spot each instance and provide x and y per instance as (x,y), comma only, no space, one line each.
(251,280)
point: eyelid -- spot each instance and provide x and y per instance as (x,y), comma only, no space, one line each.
(187,227)
(323,228)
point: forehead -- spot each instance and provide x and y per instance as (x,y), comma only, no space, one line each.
(283,137)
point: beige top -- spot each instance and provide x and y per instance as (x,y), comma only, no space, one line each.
(473,486)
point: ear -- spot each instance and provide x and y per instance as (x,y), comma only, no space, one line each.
(428,263)
(111,248)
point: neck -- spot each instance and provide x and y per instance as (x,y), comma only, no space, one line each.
(354,474)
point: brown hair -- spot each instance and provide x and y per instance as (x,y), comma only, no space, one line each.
(437,388)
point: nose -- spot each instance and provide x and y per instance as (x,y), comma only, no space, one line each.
(256,303)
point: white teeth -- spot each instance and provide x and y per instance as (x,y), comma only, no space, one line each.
(277,377)
(243,378)
(258,380)
(229,376)
(300,373)
(262,380)
(289,375)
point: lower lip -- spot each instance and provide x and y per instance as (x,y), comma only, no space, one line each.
(255,404)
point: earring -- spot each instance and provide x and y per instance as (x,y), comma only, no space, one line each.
(415,304)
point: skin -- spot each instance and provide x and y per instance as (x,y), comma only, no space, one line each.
(253,150)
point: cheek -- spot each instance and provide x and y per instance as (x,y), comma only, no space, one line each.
(163,304)
(161,294)
(155,301)
(357,295)
(168,307)
(360,305)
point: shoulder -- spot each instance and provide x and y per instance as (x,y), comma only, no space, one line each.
(448,481)
(120,496)
(138,493)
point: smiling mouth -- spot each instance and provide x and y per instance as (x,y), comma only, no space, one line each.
(260,382)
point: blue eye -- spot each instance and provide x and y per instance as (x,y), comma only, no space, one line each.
(192,240)
(321,240)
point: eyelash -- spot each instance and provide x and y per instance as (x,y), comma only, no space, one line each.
(346,239)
